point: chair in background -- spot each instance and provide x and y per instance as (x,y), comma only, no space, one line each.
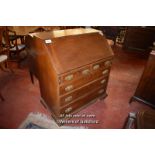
(3,59)
(4,51)
(15,43)
(3,55)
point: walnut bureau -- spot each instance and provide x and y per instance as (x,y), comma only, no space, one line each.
(72,67)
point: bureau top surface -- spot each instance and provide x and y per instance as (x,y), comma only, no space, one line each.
(77,50)
(63,33)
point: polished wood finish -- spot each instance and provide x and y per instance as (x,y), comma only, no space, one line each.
(80,91)
(145,91)
(140,38)
(145,120)
(72,67)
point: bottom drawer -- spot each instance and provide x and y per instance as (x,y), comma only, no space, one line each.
(82,101)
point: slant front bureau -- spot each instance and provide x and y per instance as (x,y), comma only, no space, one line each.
(72,67)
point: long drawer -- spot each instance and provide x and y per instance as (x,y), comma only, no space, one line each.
(66,99)
(70,86)
(84,71)
(99,92)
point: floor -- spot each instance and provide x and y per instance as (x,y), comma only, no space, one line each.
(22,97)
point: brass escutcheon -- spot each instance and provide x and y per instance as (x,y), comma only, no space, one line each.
(69,77)
(105,72)
(86,72)
(103,81)
(95,67)
(101,91)
(68,99)
(68,110)
(69,88)
(107,63)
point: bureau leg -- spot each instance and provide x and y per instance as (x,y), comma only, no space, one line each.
(31,76)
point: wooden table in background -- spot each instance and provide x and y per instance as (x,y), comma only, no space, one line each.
(25,30)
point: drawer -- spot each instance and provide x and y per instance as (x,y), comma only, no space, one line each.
(101,65)
(99,92)
(68,88)
(75,75)
(66,99)
(84,72)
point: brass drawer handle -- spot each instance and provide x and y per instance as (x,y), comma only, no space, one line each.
(86,72)
(107,63)
(101,91)
(103,81)
(95,67)
(68,99)
(68,110)
(69,77)
(105,71)
(69,88)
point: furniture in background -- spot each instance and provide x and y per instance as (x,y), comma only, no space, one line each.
(15,47)
(121,35)
(3,60)
(3,55)
(25,30)
(4,51)
(72,67)
(111,32)
(141,120)
(145,91)
(146,120)
(1,97)
(139,38)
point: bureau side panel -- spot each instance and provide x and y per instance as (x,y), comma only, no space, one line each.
(46,75)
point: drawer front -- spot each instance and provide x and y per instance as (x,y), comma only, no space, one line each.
(66,99)
(102,65)
(99,73)
(68,88)
(75,75)
(85,72)
(82,101)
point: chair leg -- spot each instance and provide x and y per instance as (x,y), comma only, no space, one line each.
(6,64)
(31,76)
(4,67)
(1,97)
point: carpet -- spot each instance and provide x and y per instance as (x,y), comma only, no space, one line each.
(42,121)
